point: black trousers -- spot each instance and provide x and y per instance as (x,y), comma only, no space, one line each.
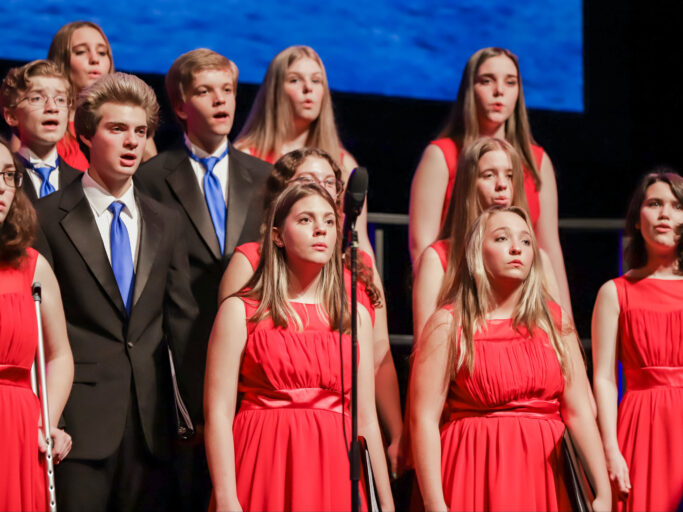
(130,479)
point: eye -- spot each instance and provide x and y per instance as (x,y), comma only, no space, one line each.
(526,241)
(61,101)
(512,82)
(654,203)
(141,131)
(305,219)
(35,99)
(500,238)
(330,222)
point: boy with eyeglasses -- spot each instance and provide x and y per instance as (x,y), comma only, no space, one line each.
(36,100)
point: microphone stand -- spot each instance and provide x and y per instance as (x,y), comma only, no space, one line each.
(355,445)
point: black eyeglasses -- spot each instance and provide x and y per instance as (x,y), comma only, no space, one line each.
(12,179)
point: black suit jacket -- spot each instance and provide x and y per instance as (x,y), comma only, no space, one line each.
(169,178)
(67,174)
(116,354)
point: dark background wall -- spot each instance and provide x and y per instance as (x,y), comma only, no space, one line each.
(631,122)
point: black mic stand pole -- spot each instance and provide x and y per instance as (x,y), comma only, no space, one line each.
(355,445)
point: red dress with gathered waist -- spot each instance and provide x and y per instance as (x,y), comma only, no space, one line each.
(501,449)
(290,451)
(22,475)
(650,419)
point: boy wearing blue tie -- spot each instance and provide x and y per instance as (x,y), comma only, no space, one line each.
(36,100)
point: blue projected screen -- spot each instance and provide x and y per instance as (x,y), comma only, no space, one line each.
(402,48)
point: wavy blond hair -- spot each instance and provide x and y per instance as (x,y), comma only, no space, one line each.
(471,295)
(271,118)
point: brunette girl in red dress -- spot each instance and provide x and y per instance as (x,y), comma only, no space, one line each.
(506,360)
(638,320)
(490,102)
(22,471)
(315,165)
(277,343)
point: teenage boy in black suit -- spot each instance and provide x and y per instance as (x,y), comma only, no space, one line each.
(123,272)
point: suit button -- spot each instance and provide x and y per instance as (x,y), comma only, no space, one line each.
(130,344)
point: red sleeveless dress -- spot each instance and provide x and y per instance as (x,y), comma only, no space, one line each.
(22,474)
(650,420)
(290,451)
(251,251)
(501,449)
(450,153)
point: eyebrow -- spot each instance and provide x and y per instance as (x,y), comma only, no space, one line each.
(8,166)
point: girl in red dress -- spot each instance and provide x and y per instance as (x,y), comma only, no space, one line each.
(277,344)
(638,320)
(22,471)
(490,102)
(315,165)
(83,54)
(506,360)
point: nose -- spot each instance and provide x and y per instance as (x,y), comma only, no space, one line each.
(320,228)
(308,85)
(515,246)
(131,139)
(51,104)
(498,88)
(665,211)
(501,182)
(219,98)
(94,57)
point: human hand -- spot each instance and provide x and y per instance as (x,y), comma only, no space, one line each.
(61,443)
(395,458)
(602,504)
(617,469)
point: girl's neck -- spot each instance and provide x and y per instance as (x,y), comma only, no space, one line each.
(505,301)
(492,130)
(303,283)
(660,265)
(297,139)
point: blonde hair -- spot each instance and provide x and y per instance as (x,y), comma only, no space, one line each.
(18,80)
(119,88)
(463,124)
(465,205)
(60,47)
(471,295)
(271,118)
(183,70)
(270,282)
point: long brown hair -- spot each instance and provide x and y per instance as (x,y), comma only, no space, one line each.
(471,295)
(269,284)
(463,123)
(271,118)
(635,252)
(465,206)
(283,171)
(18,230)
(60,47)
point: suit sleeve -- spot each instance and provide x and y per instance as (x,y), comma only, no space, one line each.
(41,245)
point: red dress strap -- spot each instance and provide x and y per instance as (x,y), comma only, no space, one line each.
(251,251)
(441,247)
(450,154)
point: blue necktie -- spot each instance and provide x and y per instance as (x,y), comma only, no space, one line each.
(214,194)
(121,256)
(44,172)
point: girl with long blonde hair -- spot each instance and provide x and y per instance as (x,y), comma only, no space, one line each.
(506,361)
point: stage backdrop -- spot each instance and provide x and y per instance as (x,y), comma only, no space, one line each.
(404,48)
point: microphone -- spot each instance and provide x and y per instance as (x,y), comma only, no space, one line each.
(354,198)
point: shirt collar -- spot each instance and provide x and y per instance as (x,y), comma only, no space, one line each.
(200,152)
(30,156)
(100,198)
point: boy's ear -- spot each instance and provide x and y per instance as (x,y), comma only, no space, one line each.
(85,141)
(10,117)
(179,111)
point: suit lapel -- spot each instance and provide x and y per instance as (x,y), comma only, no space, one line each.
(79,225)
(151,225)
(28,187)
(240,192)
(67,174)
(183,183)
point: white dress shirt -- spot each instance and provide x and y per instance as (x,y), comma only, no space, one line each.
(49,161)
(220,170)
(99,200)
